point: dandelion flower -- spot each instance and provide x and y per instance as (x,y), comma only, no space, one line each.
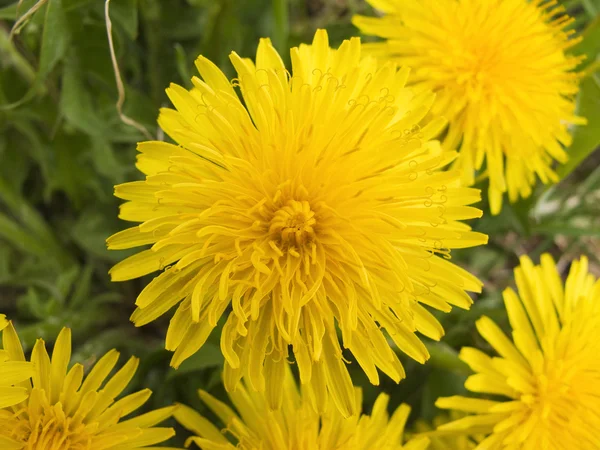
(318,205)
(296,425)
(549,373)
(13,375)
(440,440)
(65,410)
(502,78)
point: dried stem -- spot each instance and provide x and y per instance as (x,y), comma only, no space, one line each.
(120,87)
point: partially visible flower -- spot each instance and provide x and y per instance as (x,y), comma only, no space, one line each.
(440,440)
(502,77)
(254,425)
(14,375)
(65,410)
(318,204)
(550,372)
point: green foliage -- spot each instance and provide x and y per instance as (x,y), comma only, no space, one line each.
(63,147)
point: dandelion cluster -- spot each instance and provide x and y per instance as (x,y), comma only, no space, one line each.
(320,204)
(308,217)
(548,375)
(502,77)
(61,409)
(296,425)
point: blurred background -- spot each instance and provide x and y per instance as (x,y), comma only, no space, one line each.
(64,145)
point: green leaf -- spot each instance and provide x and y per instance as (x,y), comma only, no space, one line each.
(90,55)
(55,38)
(31,302)
(440,384)
(183,63)
(442,356)
(590,44)
(65,281)
(34,147)
(592,7)
(586,138)
(70,5)
(14,233)
(6,255)
(91,229)
(105,161)
(76,102)
(566,229)
(15,161)
(55,41)
(72,172)
(82,289)
(16,9)
(41,236)
(208,356)
(125,13)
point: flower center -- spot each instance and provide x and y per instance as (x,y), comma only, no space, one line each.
(47,428)
(294,223)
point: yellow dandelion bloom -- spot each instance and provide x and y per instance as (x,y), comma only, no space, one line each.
(65,410)
(440,440)
(14,375)
(550,372)
(502,78)
(317,203)
(254,425)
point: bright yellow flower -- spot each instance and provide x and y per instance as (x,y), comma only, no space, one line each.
(67,411)
(14,375)
(320,203)
(296,426)
(440,440)
(550,373)
(501,76)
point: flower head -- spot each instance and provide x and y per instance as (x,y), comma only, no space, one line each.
(440,440)
(501,76)
(296,425)
(550,372)
(14,375)
(318,205)
(63,410)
